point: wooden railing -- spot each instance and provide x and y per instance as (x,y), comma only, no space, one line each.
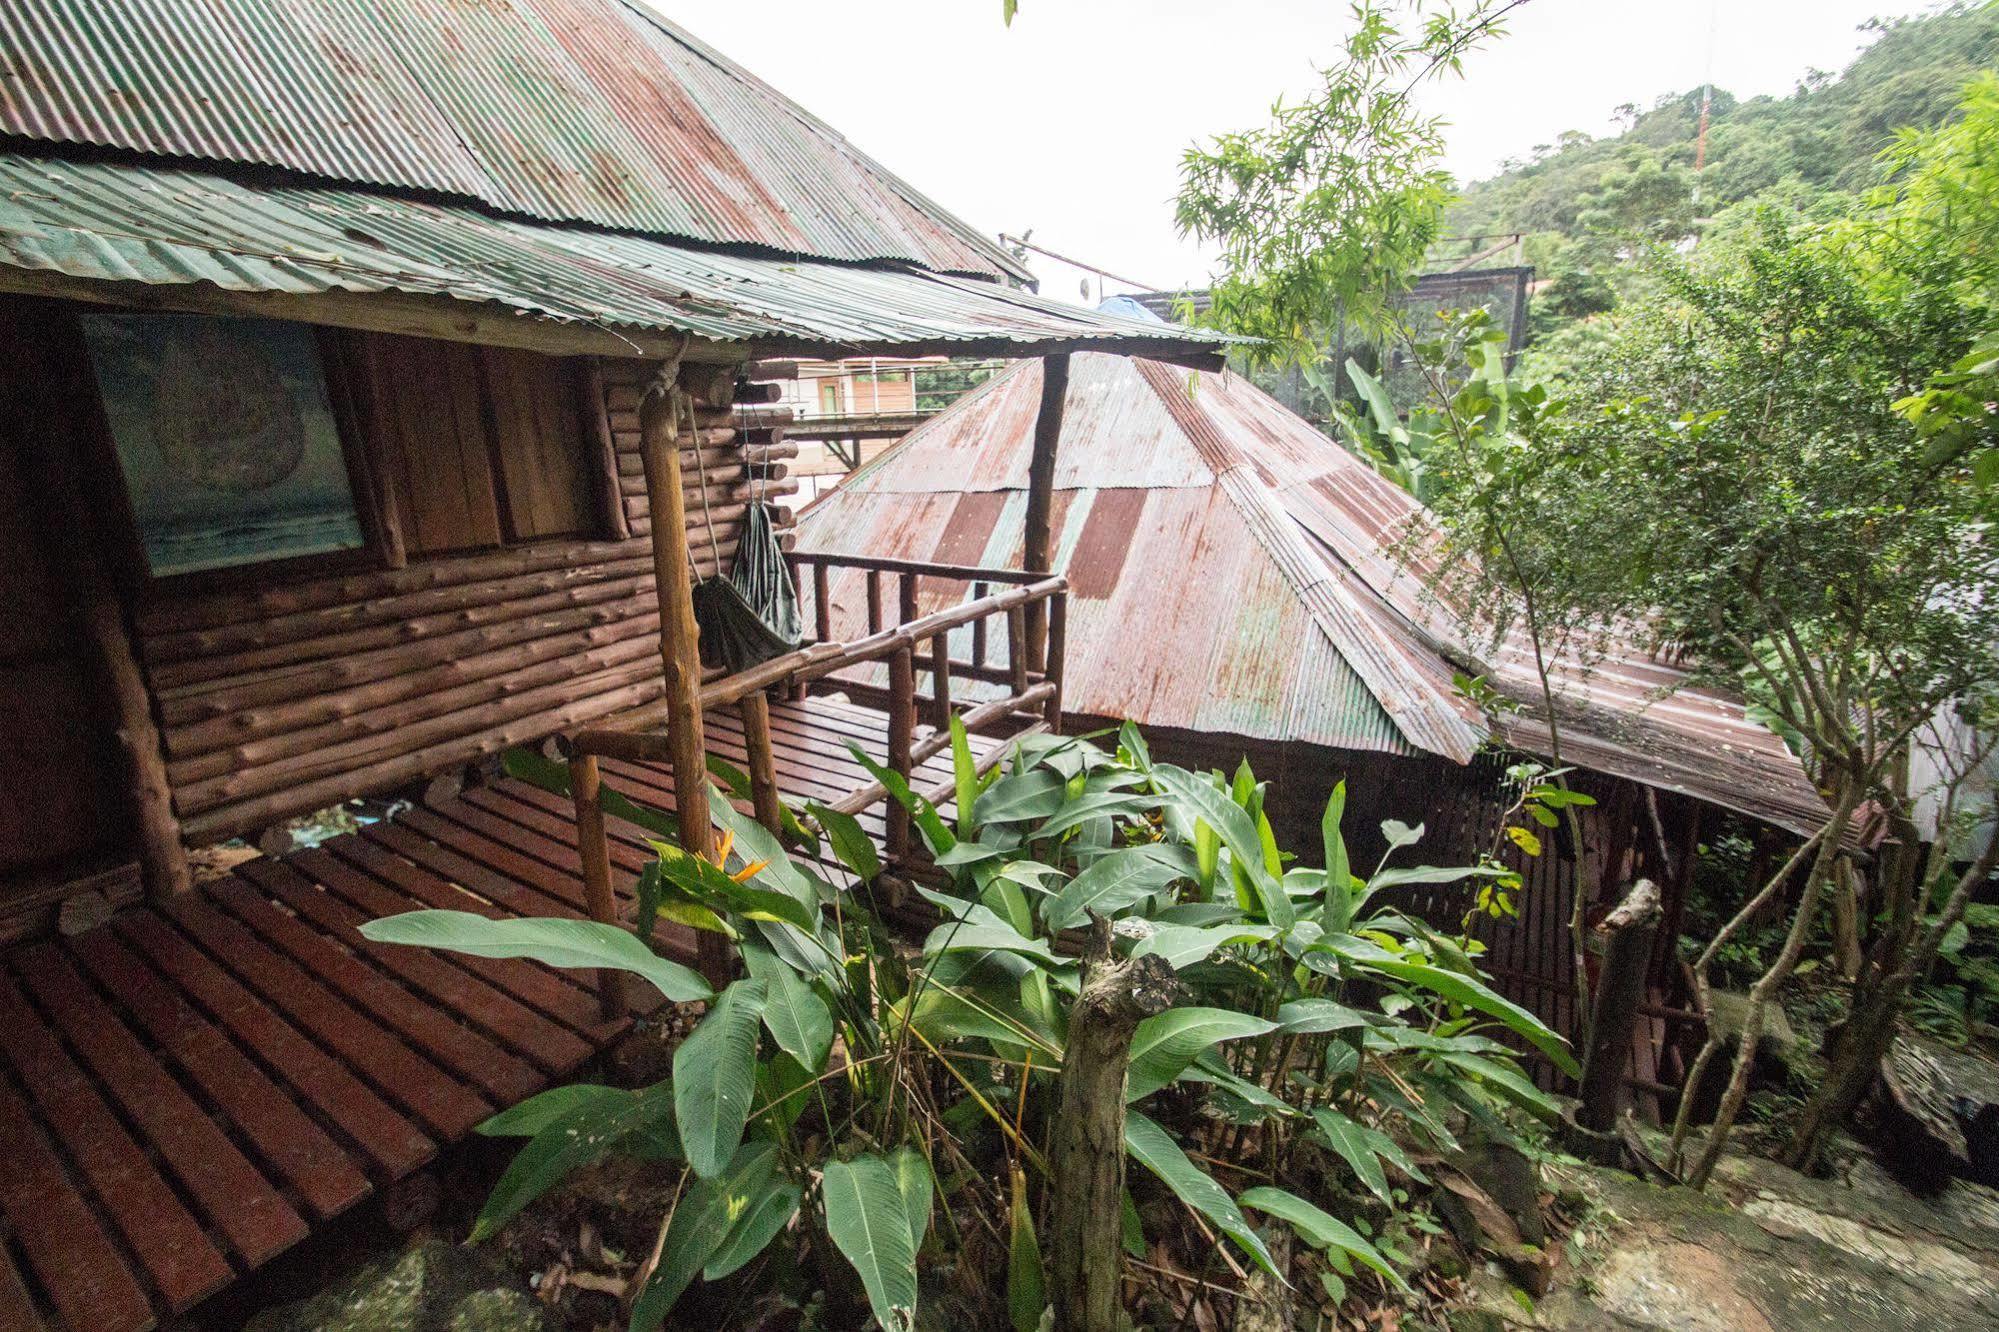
(909,643)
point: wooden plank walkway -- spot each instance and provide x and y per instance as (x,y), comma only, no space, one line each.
(188,1089)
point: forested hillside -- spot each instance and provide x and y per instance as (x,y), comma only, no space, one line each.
(1591,203)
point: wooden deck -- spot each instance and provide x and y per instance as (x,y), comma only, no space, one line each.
(188,1089)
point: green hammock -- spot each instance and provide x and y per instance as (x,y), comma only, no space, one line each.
(751,615)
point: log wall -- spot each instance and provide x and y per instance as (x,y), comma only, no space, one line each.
(301,691)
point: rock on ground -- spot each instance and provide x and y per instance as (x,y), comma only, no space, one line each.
(1767,1250)
(429,1287)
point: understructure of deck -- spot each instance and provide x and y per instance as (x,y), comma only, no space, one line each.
(189,1088)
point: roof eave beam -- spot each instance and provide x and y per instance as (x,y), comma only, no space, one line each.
(384,312)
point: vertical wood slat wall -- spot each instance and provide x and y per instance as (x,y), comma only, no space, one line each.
(311,689)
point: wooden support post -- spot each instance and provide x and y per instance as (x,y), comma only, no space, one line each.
(874,601)
(1625,940)
(940,681)
(1017,649)
(1058,646)
(80,547)
(679,640)
(755,711)
(905,597)
(901,730)
(822,605)
(1037,551)
(594,848)
(978,629)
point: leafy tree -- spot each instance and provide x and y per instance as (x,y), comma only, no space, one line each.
(1751,499)
(1329,209)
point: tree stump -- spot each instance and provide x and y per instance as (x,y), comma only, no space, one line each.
(1625,940)
(1087,1159)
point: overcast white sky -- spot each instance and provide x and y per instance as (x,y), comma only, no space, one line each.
(1073,120)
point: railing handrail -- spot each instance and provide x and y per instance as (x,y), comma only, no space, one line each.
(822,659)
(961,573)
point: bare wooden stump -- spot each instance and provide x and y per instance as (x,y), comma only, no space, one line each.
(1624,938)
(1087,1159)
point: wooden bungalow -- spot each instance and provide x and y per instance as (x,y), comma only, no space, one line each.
(380,384)
(1242,586)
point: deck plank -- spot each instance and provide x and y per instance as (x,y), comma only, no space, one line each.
(498,1016)
(392,1067)
(17,1306)
(171,1244)
(394,1145)
(358,870)
(307,1159)
(236,1198)
(79,1266)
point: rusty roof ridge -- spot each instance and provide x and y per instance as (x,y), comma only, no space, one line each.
(1427,720)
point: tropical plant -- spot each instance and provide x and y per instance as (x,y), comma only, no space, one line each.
(842,1085)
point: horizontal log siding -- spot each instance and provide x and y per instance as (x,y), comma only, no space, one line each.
(288,697)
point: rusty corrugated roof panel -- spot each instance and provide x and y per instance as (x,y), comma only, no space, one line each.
(1270,584)
(593,111)
(166,227)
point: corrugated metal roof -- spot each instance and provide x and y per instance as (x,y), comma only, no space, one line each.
(1274,587)
(167,227)
(593,111)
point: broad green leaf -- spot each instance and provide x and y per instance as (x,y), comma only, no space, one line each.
(1392,878)
(1210,1069)
(1005,899)
(851,846)
(1116,881)
(798,1018)
(869,1224)
(1508,1082)
(1337,913)
(713,887)
(714,1075)
(1399,834)
(977,933)
(913,1178)
(1026,1285)
(1320,1229)
(1020,797)
(1460,990)
(1136,750)
(538,1112)
(1184,945)
(1168,1042)
(581,1134)
(1312,1016)
(921,811)
(1091,805)
(1153,1147)
(559,943)
(769,1212)
(702,1221)
(1351,1141)
(1207,856)
(964,777)
(1237,833)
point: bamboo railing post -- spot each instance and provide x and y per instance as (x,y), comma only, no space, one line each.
(593,847)
(978,630)
(679,636)
(1037,542)
(755,711)
(822,604)
(940,681)
(905,598)
(1058,646)
(874,601)
(1017,648)
(901,730)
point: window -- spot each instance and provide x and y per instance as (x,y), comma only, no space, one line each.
(475,446)
(226,438)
